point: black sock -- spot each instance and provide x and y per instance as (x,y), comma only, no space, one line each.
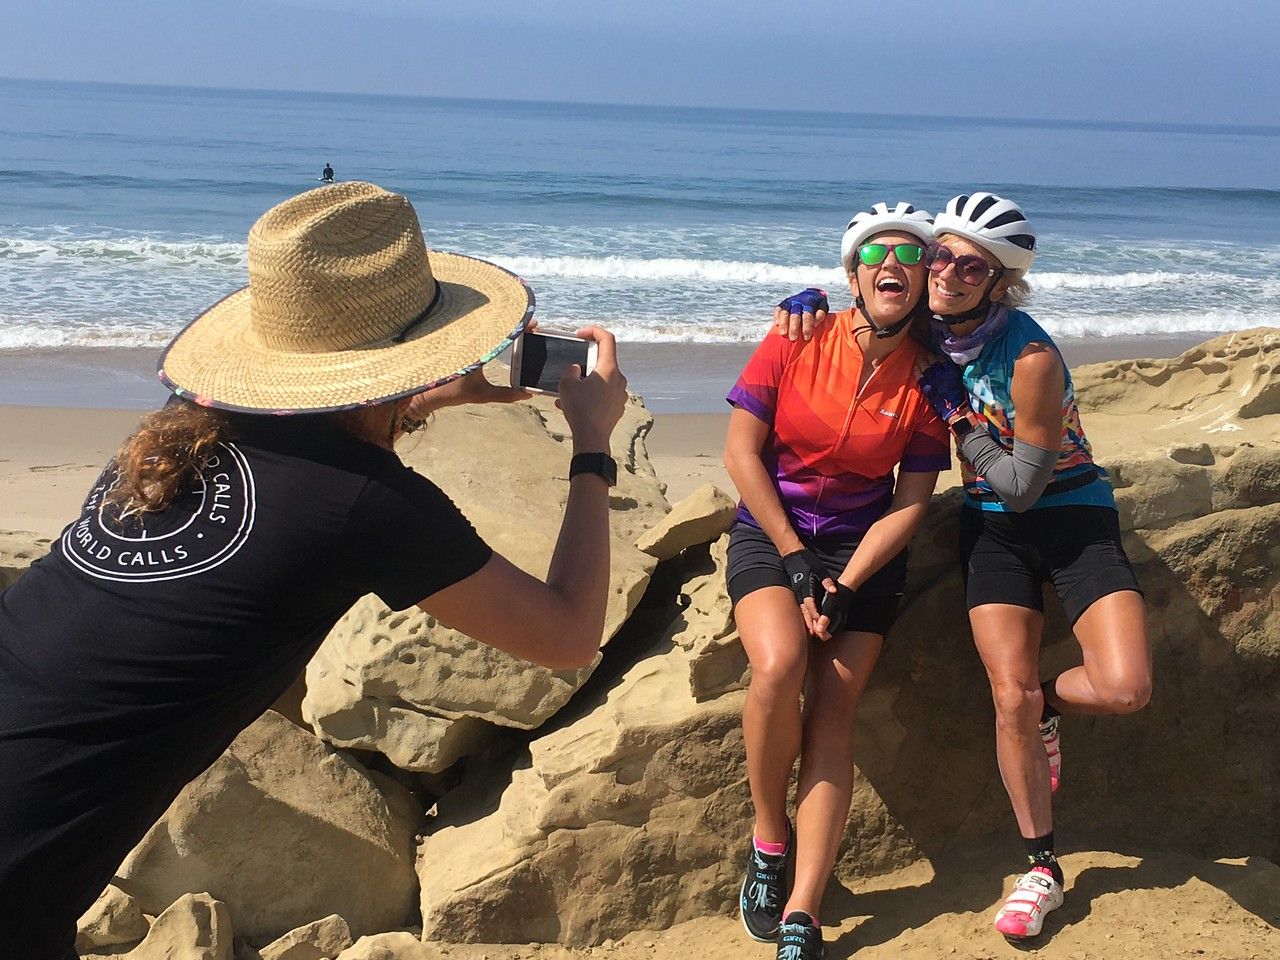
(1048,713)
(1040,854)
(799,916)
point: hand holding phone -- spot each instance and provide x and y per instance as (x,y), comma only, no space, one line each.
(539,360)
(472,387)
(593,404)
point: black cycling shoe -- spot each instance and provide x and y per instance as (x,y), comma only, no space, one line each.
(764,892)
(799,938)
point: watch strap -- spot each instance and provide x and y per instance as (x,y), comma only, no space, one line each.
(601,464)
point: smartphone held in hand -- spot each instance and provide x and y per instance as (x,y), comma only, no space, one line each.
(540,359)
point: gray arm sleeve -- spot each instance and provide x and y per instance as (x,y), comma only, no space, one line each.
(1018,478)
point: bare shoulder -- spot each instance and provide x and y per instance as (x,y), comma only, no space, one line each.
(1038,351)
(1039,360)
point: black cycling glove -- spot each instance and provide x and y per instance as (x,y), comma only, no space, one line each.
(835,607)
(806,573)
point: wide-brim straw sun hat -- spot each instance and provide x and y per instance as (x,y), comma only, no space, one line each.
(345,307)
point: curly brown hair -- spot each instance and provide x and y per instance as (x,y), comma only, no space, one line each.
(164,454)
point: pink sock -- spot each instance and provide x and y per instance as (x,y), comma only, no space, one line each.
(772,849)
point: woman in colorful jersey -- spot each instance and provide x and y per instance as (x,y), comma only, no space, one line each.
(1036,509)
(818,553)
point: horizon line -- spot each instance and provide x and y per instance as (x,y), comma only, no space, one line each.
(1137,125)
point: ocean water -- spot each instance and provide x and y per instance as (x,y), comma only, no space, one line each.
(124,210)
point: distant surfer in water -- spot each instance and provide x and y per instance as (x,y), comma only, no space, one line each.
(327,174)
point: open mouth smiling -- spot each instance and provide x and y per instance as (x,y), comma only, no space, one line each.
(890,285)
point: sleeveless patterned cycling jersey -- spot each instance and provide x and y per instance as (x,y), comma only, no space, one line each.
(988,378)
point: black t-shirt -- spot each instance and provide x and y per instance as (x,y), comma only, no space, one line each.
(182,626)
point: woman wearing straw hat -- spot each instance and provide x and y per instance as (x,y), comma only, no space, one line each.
(220,545)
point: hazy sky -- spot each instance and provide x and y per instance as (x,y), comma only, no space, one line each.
(1157,60)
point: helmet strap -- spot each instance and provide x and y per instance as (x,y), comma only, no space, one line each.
(882,333)
(981,310)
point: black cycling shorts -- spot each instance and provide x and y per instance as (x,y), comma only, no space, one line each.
(754,562)
(1008,557)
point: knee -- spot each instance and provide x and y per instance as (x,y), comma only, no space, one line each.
(777,678)
(1126,696)
(1018,703)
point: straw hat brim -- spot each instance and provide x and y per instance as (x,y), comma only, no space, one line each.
(216,360)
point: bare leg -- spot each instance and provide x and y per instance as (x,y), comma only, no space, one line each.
(838,673)
(1008,640)
(777,645)
(1116,675)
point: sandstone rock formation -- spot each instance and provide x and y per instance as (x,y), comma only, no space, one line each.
(699,518)
(320,940)
(705,629)
(284,830)
(425,695)
(639,792)
(195,927)
(389,946)
(648,785)
(115,918)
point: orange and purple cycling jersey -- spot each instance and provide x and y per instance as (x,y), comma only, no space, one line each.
(832,448)
(989,379)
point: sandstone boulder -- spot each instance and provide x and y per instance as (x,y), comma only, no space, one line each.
(1212,388)
(115,918)
(704,628)
(389,946)
(283,829)
(403,684)
(699,518)
(319,940)
(195,927)
(648,787)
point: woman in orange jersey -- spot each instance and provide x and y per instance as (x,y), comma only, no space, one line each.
(817,554)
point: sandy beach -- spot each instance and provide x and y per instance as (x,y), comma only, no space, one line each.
(62,415)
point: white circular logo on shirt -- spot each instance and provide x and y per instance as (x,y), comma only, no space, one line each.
(200,530)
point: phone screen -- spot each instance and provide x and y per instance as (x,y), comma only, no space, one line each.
(543,360)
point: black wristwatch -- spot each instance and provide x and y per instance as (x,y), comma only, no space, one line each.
(601,464)
(962,427)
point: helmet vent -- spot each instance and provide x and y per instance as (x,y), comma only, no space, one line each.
(1009,216)
(985,204)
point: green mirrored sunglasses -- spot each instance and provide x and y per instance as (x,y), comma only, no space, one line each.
(873,254)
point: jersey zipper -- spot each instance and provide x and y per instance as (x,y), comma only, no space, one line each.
(844,432)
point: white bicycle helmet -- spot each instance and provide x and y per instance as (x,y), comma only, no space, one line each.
(902,216)
(997,224)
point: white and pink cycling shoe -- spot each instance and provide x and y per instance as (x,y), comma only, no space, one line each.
(1034,895)
(1053,747)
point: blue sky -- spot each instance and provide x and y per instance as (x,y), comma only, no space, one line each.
(1171,61)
